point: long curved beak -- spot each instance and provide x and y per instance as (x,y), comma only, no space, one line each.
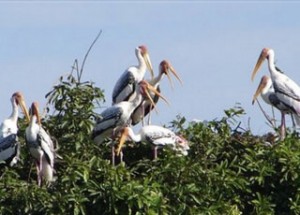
(149,64)
(258,91)
(172,70)
(151,88)
(38,117)
(259,62)
(122,140)
(24,109)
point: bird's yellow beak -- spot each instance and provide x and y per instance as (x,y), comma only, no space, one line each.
(172,70)
(152,89)
(149,64)
(23,107)
(259,62)
(259,89)
(122,140)
(37,112)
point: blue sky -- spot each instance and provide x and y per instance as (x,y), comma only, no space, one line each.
(213,45)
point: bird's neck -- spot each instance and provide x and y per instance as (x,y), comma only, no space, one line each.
(33,121)
(157,79)
(15,112)
(266,93)
(136,101)
(271,65)
(134,137)
(142,64)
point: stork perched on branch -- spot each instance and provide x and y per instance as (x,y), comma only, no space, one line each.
(41,146)
(157,136)
(124,88)
(9,145)
(286,90)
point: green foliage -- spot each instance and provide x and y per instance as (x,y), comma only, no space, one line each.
(228,170)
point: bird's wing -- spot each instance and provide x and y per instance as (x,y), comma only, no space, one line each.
(287,87)
(280,105)
(124,87)
(8,127)
(160,137)
(108,119)
(6,142)
(47,145)
(9,147)
(288,92)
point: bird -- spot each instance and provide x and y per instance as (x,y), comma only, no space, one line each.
(156,135)
(267,92)
(119,115)
(165,68)
(124,88)
(286,90)
(40,146)
(9,144)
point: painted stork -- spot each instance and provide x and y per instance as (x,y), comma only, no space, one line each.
(9,145)
(40,146)
(157,136)
(119,115)
(286,90)
(124,88)
(165,68)
(266,90)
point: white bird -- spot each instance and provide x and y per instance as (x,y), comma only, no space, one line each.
(266,91)
(119,115)
(9,145)
(124,88)
(157,136)
(165,68)
(40,146)
(286,90)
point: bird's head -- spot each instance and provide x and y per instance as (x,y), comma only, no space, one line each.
(264,82)
(182,144)
(145,87)
(34,111)
(18,99)
(265,53)
(144,52)
(166,68)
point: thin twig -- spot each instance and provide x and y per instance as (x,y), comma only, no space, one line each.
(86,55)
(75,67)
(266,115)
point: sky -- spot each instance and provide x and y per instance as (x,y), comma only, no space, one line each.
(213,46)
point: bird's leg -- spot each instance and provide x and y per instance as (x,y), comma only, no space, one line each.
(273,119)
(143,115)
(41,168)
(113,155)
(155,152)
(282,126)
(113,133)
(121,157)
(37,165)
(149,117)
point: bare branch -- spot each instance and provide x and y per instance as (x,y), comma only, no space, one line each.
(271,121)
(86,55)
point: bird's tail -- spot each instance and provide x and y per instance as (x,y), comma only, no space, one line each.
(47,171)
